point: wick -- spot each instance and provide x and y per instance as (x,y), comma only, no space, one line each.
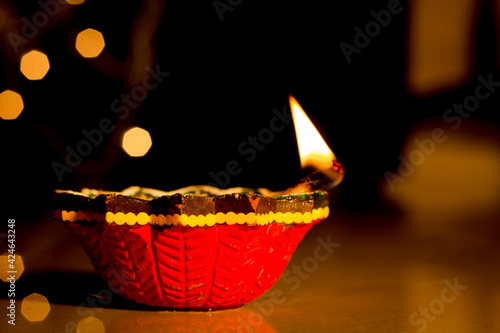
(322,179)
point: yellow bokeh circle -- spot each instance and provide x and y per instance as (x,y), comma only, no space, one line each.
(11,265)
(11,105)
(35,307)
(34,65)
(136,142)
(89,43)
(90,325)
(75,2)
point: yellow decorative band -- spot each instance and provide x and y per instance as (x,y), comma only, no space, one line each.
(196,220)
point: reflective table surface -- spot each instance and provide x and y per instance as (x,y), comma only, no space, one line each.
(353,272)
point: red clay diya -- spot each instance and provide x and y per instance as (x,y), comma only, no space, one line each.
(199,247)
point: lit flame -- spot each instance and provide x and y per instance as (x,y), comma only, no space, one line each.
(313,150)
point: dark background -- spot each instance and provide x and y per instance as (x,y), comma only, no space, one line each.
(225,79)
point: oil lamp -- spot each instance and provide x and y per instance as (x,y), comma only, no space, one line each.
(200,247)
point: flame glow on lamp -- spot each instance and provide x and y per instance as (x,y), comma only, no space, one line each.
(313,150)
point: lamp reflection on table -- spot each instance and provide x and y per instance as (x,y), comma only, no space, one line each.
(87,306)
(241,319)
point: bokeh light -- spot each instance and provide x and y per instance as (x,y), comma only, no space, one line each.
(452,177)
(90,325)
(136,142)
(89,43)
(75,2)
(34,65)
(439,25)
(11,105)
(35,307)
(10,264)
